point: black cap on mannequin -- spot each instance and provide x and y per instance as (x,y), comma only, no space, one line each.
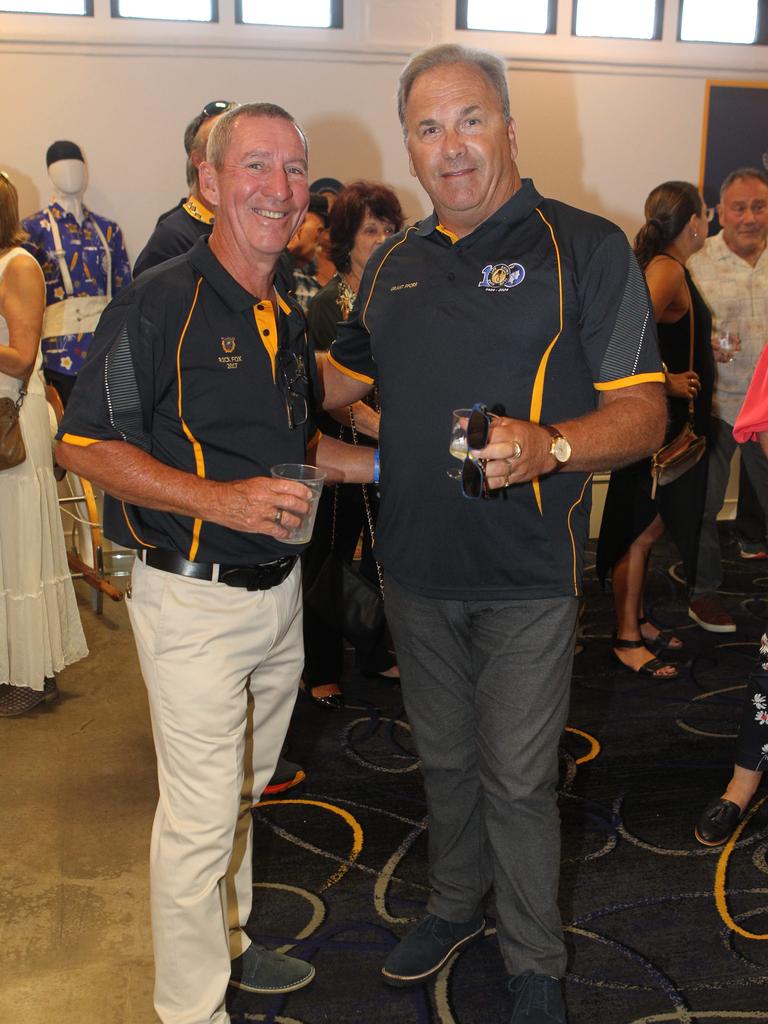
(63,150)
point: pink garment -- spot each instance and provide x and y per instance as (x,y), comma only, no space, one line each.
(753,415)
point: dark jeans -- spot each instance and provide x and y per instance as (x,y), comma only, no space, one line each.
(721,446)
(749,523)
(486,686)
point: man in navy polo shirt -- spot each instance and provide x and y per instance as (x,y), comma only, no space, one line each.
(199,380)
(539,312)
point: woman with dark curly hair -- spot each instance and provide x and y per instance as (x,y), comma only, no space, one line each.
(364,215)
(633,520)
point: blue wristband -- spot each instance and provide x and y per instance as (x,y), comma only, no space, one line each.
(376,466)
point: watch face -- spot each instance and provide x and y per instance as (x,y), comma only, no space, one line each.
(561,449)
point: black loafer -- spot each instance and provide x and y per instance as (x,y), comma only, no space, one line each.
(718,822)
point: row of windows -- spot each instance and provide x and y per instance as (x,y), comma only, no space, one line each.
(297,14)
(732,21)
(699,21)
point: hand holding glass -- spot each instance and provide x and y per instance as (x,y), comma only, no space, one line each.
(311,477)
(469,431)
(457,445)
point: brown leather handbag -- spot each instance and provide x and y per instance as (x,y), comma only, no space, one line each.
(12,450)
(682,453)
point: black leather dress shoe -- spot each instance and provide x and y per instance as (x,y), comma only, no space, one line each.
(718,822)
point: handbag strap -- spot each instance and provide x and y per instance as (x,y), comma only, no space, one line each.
(690,338)
(367,503)
(690,323)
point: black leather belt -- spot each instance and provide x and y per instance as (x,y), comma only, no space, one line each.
(252,577)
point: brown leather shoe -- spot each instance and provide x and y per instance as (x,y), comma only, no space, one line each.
(708,613)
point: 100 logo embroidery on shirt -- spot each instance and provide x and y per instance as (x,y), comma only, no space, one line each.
(500,277)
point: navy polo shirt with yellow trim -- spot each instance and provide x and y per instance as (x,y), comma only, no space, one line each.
(534,313)
(183,366)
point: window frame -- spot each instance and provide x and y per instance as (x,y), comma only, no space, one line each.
(761,35)
(658,25)
(87,13)
(337,19)
(114,10)
(461,21)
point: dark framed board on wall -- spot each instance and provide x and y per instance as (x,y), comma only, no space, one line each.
(735,134)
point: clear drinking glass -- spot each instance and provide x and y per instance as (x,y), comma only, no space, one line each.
(728,341)
(311,477)
(457,444)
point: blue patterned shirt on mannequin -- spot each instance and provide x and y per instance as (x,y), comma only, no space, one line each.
(82,255)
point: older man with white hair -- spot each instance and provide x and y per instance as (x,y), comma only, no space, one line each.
(200,380)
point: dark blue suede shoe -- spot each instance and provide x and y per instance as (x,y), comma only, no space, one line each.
(538,999)
(427,948)
(268,973)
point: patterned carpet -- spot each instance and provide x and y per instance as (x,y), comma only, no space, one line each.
(659,928)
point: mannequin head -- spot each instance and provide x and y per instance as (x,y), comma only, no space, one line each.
(66,168)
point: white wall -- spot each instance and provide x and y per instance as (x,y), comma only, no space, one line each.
(599,122)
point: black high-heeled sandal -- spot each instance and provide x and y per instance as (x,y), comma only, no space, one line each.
(329,701)
(649,668)
(662,642)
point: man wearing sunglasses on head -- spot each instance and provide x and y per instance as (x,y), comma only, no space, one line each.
(537,313)
(178,229)
(200,380)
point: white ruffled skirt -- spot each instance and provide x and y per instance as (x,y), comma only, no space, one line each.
(40,629)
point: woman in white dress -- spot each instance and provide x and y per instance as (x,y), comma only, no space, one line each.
(40,630)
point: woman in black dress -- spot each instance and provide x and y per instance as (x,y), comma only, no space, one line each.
(675,227)
(364,215)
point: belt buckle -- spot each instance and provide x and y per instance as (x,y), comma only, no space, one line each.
(241,576)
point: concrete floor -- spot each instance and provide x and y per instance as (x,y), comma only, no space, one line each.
(77,796)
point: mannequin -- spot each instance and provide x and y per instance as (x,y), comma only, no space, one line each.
(84,261)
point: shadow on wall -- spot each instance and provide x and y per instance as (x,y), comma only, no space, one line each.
(552,147)
(346,148)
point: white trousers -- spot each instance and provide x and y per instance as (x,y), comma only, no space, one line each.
(222,667)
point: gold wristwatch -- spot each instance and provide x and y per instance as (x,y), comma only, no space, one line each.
(559,447)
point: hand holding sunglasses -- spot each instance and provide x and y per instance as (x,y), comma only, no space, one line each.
(518,451)
(470,429)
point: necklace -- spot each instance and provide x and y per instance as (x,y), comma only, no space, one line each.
(346,298)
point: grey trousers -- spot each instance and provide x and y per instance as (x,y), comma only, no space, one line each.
(486,686)
(721,445)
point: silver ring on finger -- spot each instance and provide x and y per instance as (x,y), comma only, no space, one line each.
(278,516)
(518,450)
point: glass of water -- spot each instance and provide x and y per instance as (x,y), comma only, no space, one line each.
(457,444)
(728,342)
(311,477)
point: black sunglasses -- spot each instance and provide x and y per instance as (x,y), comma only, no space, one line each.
(217,107)
(473,470)
(293,375)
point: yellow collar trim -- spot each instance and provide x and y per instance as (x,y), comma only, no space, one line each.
(198,211)
(448,234)
(266,324)
(284,307)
